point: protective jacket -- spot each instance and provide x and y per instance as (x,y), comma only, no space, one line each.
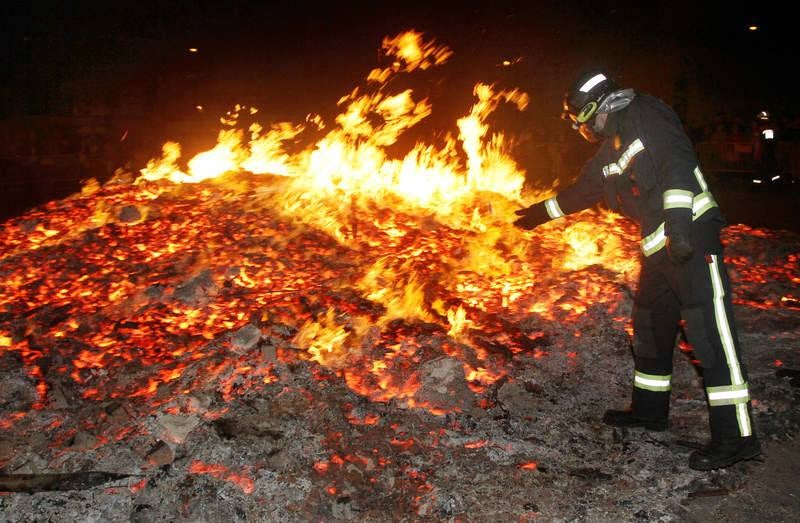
(647,170)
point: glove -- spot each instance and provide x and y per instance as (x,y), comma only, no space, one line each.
(531,217)
(679,247)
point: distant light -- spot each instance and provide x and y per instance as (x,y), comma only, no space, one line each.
(507,62)
(776,177)
(753,28)
(199,108)
(763,115)
(192,49)
(756,181)
(769,134)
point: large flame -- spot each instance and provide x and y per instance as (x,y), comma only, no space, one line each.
(350,164)
(342,242)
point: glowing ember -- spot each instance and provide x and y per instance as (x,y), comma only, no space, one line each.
(139,485)
(340,250)
(476,444)
(221,472)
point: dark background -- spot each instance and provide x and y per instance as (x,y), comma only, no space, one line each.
(92,86)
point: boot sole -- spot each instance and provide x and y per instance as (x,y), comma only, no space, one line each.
(654,427)
(743,456)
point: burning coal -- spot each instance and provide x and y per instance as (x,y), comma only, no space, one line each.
(338,253)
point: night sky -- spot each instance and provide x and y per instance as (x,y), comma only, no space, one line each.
(127,64)
(289,50)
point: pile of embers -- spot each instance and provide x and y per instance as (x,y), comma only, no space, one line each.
(200,356)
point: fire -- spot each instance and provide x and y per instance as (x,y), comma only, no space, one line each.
(478,444)
(458,321)
(339,246)
(410,52)
(351,164)
(218,471)
(139,485)
(324,340)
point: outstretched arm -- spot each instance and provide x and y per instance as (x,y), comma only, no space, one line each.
(585,192)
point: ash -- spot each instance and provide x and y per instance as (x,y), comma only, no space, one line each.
(258,369)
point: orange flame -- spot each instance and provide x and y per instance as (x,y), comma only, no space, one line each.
(380,239)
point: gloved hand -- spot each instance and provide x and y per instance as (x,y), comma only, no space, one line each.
(679,246)
(530,218)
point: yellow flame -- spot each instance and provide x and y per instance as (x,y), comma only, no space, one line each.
(458,322)
(166,167)
(351,163)
(266,150)
(410,52)
(324,340)
(337,174)
(586,247)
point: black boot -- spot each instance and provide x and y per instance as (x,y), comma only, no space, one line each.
(625,418)
(724,453)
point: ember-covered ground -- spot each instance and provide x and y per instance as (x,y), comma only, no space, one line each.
(164,346)
(287,331)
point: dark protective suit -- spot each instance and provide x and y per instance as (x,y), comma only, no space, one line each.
(647,169)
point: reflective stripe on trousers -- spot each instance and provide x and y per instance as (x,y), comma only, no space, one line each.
(652,382)
(737,393)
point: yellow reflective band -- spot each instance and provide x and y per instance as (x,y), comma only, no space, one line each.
(722,322)
(743,417)
(702,203)
(633,149)
(652,382)
(678,199)
(731,395)
(656,240)
(620,165)
(611,169)
(726,337)
(553,209)
(726,388)
(698,174)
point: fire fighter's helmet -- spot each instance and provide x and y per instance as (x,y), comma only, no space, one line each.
(582,101)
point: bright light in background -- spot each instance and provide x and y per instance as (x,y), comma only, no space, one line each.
(776,177)
(192,49)
(752,28)
(763,115)
(510,61)
(199,108)
(769,134)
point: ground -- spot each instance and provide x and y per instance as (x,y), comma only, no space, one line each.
(210,405)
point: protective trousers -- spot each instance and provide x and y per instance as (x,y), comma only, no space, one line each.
(697,292)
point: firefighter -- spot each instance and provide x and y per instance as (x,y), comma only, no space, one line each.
(646,168)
